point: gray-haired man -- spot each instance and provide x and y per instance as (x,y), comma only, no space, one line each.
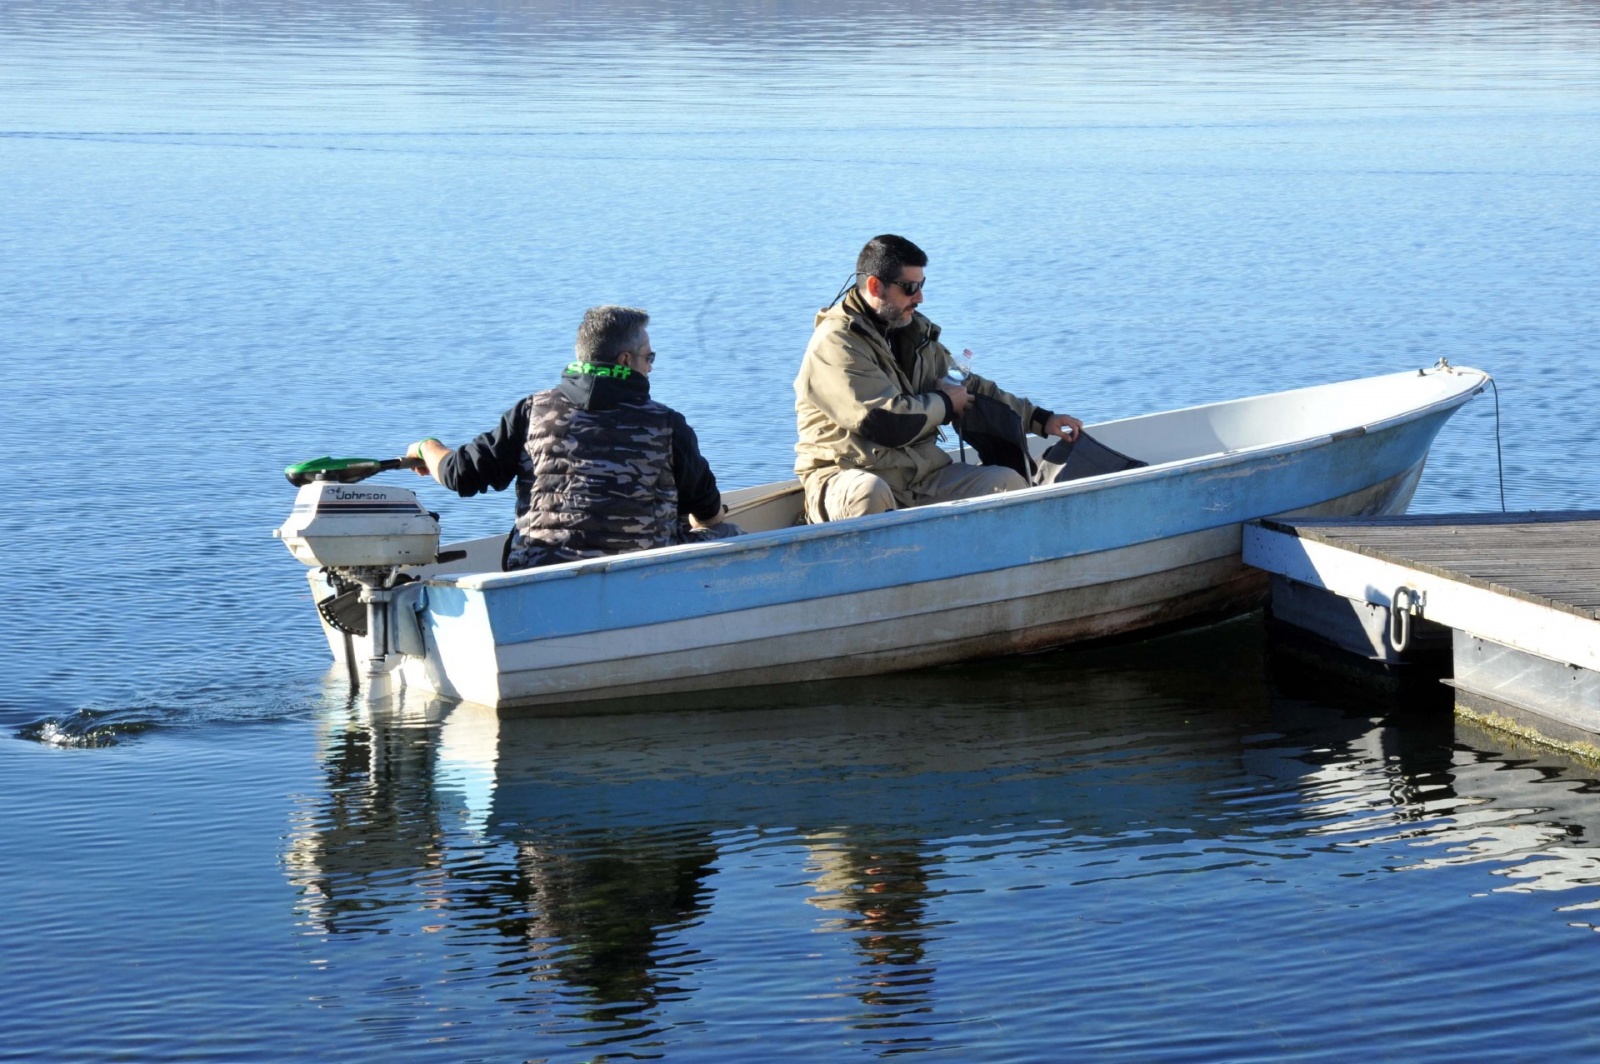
(600,467)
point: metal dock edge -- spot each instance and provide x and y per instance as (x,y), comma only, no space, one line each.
(1518,594)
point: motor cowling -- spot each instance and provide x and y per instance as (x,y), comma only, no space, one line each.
(359,526)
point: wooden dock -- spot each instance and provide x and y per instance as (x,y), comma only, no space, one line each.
(1517,596)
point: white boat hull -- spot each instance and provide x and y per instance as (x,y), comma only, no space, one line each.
(1145,549)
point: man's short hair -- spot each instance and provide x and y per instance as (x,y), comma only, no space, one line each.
(607,332)
(885,256)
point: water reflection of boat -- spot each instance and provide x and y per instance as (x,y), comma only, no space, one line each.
(586,856)
(588,844)
(1040,567)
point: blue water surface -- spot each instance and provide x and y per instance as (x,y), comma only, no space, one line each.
(237,235)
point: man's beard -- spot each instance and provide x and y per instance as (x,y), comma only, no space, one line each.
(900,321)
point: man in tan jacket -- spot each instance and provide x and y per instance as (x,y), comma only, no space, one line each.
(872,393)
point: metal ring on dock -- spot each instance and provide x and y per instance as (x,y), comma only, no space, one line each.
(1400,617)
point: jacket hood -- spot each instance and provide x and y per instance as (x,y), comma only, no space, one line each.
(854,314)
(602,385)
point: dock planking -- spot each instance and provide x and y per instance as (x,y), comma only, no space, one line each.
(1551,559)
(1519,592)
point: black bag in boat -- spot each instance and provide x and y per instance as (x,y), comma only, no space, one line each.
(995,431)
(1081,456)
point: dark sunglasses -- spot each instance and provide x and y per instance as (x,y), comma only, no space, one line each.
(910,288)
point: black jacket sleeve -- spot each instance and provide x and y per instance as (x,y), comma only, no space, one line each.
(697,486)
(491,460)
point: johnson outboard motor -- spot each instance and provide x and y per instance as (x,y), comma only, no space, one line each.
(361,535)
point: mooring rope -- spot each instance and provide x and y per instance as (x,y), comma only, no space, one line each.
(1498,461)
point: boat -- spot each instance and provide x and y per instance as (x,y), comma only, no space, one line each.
(1143,549)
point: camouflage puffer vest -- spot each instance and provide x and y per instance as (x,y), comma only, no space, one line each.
(593,482)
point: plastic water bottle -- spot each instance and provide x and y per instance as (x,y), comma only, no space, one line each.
(960,368)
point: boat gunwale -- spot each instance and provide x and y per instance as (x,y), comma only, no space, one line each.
(483,581)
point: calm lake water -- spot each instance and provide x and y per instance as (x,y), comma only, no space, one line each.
(236,235)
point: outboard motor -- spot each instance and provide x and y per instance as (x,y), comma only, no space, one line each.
(361,535)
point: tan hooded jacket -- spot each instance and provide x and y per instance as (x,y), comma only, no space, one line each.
(864,400)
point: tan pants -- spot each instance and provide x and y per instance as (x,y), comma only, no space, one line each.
(855,492)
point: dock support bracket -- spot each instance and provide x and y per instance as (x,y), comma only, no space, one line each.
(1404,604)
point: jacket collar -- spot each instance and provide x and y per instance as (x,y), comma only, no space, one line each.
(602,385)
(860,319)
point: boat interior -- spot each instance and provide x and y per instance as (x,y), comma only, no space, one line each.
(1168,436)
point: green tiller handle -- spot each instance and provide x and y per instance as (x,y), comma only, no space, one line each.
(346,470)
